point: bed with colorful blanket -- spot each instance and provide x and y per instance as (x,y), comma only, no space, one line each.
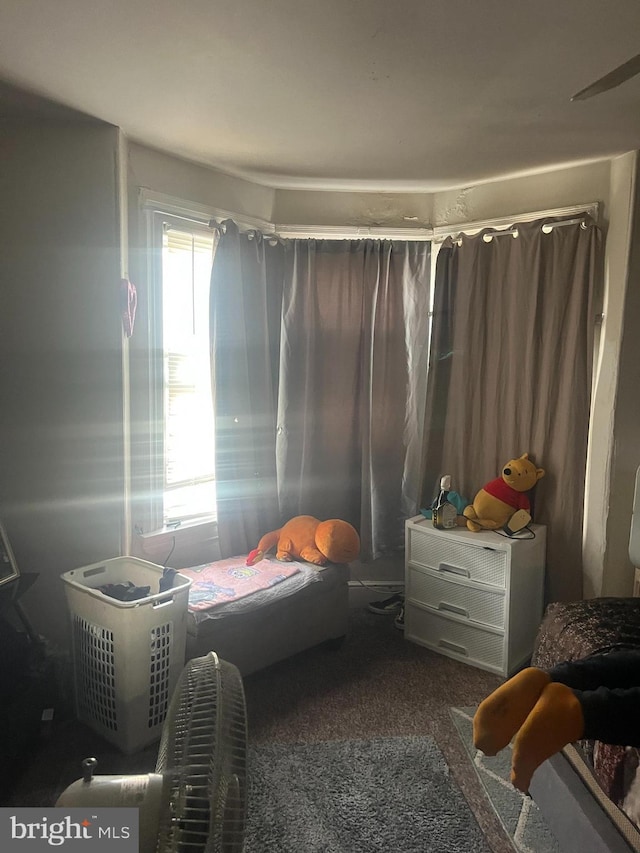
(253,616)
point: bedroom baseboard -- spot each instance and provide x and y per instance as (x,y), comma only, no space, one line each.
(395,585)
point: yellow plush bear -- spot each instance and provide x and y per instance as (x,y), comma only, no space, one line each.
(495,505)
(317,542)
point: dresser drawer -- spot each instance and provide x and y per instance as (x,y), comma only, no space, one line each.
(442,592)
(468,643)
(446,555)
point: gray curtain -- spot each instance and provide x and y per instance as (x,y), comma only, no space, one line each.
(510,372)
(245,303)
(352,364)
(319,351)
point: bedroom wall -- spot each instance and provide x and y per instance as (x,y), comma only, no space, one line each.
(393,210)
(61,431)
(621,348)
(192,182)
(513,196)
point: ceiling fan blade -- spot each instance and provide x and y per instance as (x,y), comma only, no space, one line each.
(609,81)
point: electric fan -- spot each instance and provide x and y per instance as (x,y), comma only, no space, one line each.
(196,798)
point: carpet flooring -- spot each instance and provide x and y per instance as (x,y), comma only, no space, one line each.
(357,796)
(375,685)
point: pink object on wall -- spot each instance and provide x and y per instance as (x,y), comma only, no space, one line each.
(128,303)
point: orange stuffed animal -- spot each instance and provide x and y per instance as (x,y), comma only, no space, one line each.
(309,539)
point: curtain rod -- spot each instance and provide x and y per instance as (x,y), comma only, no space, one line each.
(203,214)
(355,232)
(507,225)
(546,228)
(437,233)
(549,226)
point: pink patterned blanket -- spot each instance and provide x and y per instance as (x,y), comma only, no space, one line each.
(228,580)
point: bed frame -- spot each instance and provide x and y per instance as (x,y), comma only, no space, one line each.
(576,809)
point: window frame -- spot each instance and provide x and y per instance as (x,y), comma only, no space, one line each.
(203,242)
(151,512)
(145,368)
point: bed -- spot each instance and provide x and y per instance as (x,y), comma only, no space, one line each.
(590,792)
(256,616)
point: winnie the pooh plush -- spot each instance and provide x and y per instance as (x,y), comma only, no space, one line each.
(495,505)
(307,538)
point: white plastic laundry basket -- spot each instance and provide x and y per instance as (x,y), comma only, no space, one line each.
(127,655)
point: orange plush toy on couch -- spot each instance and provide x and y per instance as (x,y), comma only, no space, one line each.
(307,538)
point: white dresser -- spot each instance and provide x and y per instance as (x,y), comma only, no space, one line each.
(476,597)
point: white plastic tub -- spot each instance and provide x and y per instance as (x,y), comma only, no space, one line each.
(127,655)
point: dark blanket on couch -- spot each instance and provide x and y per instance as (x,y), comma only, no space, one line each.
(570,631)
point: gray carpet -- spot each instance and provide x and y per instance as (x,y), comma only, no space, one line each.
(518,813)
(357,796)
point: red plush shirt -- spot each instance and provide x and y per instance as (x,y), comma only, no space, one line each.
(505,493)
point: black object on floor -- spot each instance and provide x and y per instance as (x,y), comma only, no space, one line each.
(393,605)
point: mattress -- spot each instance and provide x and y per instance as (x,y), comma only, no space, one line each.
(257,630)
(230,586)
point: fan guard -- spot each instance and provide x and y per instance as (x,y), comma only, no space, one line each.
(195,802)
(203,756)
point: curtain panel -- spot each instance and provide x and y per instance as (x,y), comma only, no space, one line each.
(319,352)
(245,319)
(352,366)
(510,372)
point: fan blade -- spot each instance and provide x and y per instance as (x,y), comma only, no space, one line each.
(609,81)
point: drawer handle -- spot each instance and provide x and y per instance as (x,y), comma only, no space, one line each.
(454,570)
(453,608)
(453,647)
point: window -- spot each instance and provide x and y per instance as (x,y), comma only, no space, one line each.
(188,423)
(172,422)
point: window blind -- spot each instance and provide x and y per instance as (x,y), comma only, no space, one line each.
(189,451)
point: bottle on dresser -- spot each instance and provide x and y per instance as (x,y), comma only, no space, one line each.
(444,512)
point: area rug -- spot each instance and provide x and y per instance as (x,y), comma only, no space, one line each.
(518,813)
(357,796)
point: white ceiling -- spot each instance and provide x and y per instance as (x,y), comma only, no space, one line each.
(395,95)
